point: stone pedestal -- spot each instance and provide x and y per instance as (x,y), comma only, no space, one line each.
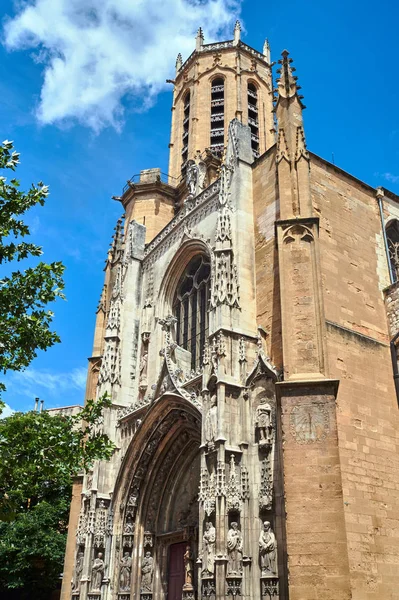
(234,586)
(269,587)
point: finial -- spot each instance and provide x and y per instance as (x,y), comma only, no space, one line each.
(237,33)
(199,40)
(179,62)
(266,51)
(287,83)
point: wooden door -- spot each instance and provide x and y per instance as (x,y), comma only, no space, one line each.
(176,571)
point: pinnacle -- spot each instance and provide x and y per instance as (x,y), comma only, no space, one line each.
(287,83)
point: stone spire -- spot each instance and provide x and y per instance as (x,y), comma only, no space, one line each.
(292,156)
(199,40)
(266,51)
(237,33)
(179,62)
(117,241)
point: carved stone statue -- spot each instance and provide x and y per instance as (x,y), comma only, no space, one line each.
(124,573)
(78,571)
(147,571)
(97,573)
(234,550)
(188,569)
(264,423)
(211,424)
(192,177)
(143,368)
(208,549)
(268,550)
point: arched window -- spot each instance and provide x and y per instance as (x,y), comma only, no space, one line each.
(186,125)
(393,247)
(253,120)
(190,308)
(217,116)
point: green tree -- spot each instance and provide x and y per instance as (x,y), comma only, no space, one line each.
(39,456)
(24,295)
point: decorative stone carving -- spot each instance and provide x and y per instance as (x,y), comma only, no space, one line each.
(195,176)
(225,288)
(244,483)
(234,550)
(264,423)
(100,526)
(125,572)
(208,550)
(268,550)
(233,587)
(211,423)
(143,369)
(266,484)
(188,569)
(148,539)
(78,571)
(207,493)
(208,591)
(242,350)
(233,492)
(269,588)
(97,573)
(147,572)
(221,479)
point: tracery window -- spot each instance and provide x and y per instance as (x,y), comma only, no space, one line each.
(253,121)
(217,116)
(190,308)
(392,232)
(186,126)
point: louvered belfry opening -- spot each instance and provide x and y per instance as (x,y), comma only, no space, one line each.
(253,120)
(217,116)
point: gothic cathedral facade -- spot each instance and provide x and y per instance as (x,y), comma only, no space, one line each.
(246,336)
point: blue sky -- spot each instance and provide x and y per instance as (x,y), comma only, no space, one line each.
(82,95)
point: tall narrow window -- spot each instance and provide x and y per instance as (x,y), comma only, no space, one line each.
(186,125)
(253,120)
(191,308)
(393,247)
(217,116)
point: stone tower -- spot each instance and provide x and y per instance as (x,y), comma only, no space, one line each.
(243,337)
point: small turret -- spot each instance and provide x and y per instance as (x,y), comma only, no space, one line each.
(237,33)
(266,51)
(179,62)
(199,40)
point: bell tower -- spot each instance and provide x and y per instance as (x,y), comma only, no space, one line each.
(220,82)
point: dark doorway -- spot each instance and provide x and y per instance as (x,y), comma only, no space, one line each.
(176,571)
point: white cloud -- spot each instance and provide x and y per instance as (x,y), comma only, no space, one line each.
(391,177)
(6,412)
(34,382)
(98,52)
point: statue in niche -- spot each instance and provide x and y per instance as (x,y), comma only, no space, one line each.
(97,573)
(208,550)
(268,550)
(234,550)
(211,424)
(78,571)
(188,568)
(124,573)
(264,423)
(147,571)
(143,368)
(192,177)
(129,525)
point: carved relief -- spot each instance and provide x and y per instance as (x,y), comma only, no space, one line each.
(225,288)
(211,424)
(77,574)
(208,550)
(221,479)
(97,573)
(125,571)
(147,572)
(297,233)
(233,494)
(268,550)
(264,423)
(266,484)
(233,587)
(188,569)
(234,550)
(309,423)
(111,364)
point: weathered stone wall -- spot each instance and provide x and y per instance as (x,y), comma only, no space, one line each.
(392,306)
(358,351)
(266,212)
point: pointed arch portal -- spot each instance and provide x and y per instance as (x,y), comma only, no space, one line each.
(157,494)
